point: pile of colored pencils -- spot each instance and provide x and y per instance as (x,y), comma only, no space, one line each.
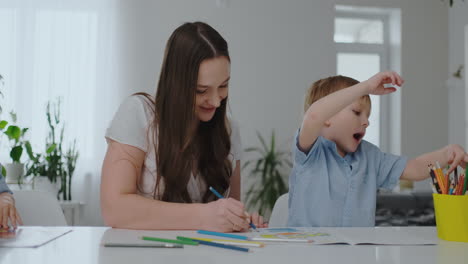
(443,183)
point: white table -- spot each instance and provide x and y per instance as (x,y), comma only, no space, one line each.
(83,245)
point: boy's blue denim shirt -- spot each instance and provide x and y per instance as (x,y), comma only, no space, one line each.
(3,185)
(326,189)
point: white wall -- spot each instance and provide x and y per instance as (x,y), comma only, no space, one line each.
(279,48)
(466,84)
(458,19)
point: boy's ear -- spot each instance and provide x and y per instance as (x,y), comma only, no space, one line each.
(327,123)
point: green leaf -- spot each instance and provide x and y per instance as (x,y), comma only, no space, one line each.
(3,124)
(16,153)
(252,149)
(3,171)
(51,148)
(13,132)
(262,141)
(30,152)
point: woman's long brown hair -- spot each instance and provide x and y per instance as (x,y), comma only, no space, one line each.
(182,142)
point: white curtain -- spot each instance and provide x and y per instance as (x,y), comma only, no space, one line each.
(67,49)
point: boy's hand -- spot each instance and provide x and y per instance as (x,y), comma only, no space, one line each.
(376,83)
(8,213)
(456,156)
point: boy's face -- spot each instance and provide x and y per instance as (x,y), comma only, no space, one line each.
(348,127)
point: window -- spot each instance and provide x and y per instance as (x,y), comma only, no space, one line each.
(52,48)
(49,53)
(362,38)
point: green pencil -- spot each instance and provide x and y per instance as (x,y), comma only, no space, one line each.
(184,242)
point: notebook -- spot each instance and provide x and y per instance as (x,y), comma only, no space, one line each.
(352,236)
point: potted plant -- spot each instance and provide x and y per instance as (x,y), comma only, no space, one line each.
(38,166)
(269,169)
(56,165)
(14,170)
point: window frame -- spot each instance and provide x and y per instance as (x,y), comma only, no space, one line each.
(383,50)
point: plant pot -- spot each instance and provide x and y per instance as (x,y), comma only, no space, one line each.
(15,172)
(42,183)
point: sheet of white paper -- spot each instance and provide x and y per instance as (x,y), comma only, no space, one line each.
(31,237)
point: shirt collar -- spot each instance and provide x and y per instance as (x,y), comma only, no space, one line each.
(332,146)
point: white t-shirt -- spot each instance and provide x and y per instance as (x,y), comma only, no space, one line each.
(130,126)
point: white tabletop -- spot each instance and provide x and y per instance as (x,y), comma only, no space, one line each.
(83,245)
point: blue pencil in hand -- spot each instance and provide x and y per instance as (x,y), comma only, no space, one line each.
(222,197)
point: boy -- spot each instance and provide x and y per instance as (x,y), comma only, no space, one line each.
(336,174)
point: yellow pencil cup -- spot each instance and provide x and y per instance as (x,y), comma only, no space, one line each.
(451,212)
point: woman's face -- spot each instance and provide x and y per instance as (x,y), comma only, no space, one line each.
(212,86)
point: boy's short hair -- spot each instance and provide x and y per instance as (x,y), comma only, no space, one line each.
(326,86)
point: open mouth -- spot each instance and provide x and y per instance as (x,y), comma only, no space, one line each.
(358,136)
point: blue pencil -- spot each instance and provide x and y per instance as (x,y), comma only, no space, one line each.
(222,197)
(212,233)
(208,243)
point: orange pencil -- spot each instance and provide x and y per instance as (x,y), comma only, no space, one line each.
(439,180)
(459,185)
(442,177)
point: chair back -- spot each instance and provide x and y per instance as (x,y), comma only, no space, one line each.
(279,214)
(39,208)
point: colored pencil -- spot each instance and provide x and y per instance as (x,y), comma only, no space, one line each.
(166,245)
(165,240)
(212,233)
(440,178)
(465,182)
(434,180)
(229,242)
(213,244)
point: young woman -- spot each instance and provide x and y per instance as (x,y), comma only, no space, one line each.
(164,153)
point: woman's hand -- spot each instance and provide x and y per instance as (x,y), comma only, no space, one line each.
(257,220)
(8,212)
(226,215)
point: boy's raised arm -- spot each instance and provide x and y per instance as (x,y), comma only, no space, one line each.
(323,109)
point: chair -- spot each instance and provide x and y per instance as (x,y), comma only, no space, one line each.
(39,208)
(279,214)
